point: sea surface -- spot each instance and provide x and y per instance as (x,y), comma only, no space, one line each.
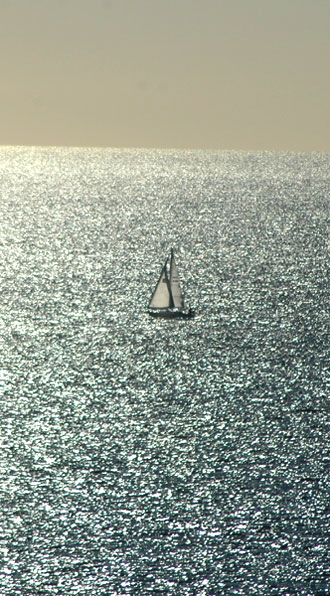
(150,457)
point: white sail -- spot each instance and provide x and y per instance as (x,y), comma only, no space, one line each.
(175,284)
(162,297)
(167,299)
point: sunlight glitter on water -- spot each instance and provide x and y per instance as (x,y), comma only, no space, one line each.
(139,455)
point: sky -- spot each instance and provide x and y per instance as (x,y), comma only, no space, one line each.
(196,74)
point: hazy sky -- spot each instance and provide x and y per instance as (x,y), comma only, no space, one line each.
(221,74)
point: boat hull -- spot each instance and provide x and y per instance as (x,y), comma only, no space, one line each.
(172,314)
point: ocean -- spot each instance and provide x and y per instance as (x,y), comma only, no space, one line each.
(172,457)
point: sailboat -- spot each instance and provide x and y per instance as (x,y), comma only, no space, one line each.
(167,299)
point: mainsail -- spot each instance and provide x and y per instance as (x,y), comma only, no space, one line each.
(175,284)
